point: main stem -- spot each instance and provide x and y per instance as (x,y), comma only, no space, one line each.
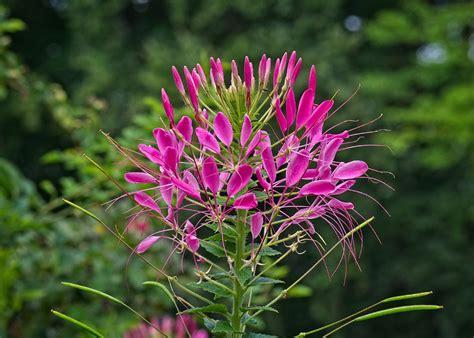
(238,289)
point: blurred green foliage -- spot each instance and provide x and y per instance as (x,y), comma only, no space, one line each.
(70,68)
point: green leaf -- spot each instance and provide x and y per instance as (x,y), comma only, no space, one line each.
(266,280)
(300,291)
(258,335)
(244,275)
(399,309)
(163,288)
(260,308)
(78,323)
(218,291)
(213,248)
(266,251)
(212,308)
(222,327)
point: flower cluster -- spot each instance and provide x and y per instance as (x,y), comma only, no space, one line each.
(181,327)
(228,160)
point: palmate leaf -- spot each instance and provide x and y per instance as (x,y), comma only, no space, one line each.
(78,323)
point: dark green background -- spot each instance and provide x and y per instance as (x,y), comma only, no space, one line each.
(81,65)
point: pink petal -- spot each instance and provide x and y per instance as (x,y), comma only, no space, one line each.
(246,201)
(166,189)
(280,117)
(192,242)
(210,175)
(256,223)
(269,163)
(167,106)
(202,74)
(309,213)
(310,174)
(248,73)
(185,127)
(343,187)
(246,130)
(320,113)
(291,142)
(190,228)
(236,80)
(328,153)
(296,71)
(196,79)
(222,179)
(276,72)
(170,158)
(347,171)
(312,79)
(322,187)
(239,179)
(177,80)
(192,91)
(150,153)
(207,140)
(139,177)
(337,204)
(261,68)
(146,201)
(304,108)
(164,139)
(223,128)
(146,244)
(265,185)
(290,106)
(297,167)
(291,66)
(254,143)
(186,187)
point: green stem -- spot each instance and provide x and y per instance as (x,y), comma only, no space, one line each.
(238,289)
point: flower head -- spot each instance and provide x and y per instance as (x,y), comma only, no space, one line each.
(228,158)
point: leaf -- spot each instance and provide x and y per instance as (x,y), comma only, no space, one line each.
(222,327)
(399,309)
(244,275)
(163,288)
(213,249)
(209,323)
(218,291)
(252,321)
(78,323)
(268,251)
(299,291)
(266,280)
(212,308)
(260,308)
(258,335)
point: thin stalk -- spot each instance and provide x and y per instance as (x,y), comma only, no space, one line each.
(238,289)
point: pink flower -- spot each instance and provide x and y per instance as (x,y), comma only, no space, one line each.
(290,178)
